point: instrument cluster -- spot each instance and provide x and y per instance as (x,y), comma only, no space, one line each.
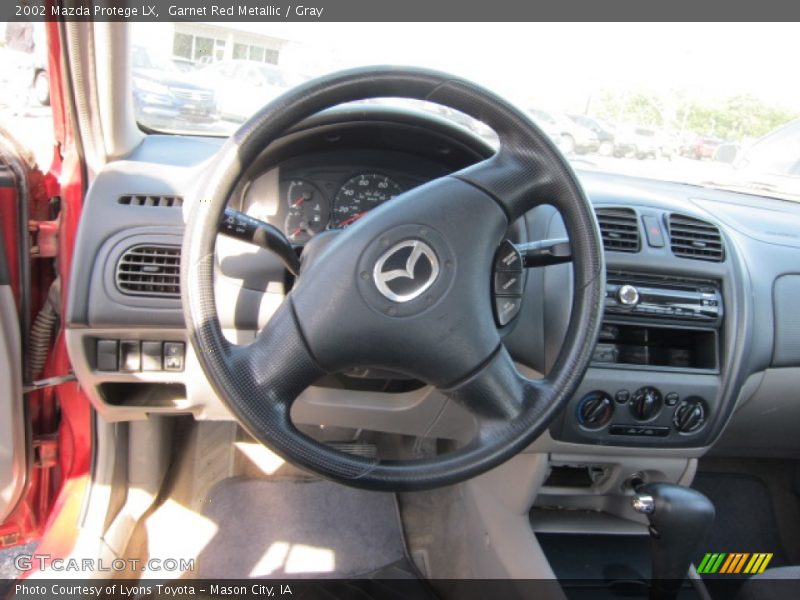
(306,208)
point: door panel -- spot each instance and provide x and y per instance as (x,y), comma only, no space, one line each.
(13,455)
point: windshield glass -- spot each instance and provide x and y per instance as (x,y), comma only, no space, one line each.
(678,102)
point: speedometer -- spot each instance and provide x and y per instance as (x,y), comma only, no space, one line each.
(361,194)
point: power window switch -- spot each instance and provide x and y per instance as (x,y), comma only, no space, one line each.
(107,355)
(151,356)
(174,356)
(130,356)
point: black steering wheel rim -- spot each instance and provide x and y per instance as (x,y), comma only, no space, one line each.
(259,382)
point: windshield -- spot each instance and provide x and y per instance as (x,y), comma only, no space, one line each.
(688,103)
(144,58)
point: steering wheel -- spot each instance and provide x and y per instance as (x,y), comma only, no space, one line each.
(405,289)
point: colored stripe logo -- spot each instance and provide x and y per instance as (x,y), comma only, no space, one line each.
(734,563)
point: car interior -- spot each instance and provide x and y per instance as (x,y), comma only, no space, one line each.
(359,341)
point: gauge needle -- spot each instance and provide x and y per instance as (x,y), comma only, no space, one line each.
(296,232)
(352,219)
(299,201)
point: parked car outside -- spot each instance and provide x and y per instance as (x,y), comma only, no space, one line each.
(668,144)
(602,129)
(636,141)
(567,135)
(244,86)
(184,64)
(162,94)
(703,148)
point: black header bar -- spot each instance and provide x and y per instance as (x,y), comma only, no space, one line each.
(400,10)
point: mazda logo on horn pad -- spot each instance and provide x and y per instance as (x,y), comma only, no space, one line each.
(406,270)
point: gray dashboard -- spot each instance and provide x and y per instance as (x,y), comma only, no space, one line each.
(749,391)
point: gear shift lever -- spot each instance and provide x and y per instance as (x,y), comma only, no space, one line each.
(680,517)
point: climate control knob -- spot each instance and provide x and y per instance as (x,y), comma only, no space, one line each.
(690,415)
(645,403)
(595,410)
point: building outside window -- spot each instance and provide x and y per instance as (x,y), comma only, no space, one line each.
(204,43)
(258,53)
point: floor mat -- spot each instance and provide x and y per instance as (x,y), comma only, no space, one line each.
(744,522)
(298,529)
(602,567)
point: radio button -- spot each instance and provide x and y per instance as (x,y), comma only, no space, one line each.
(628,295)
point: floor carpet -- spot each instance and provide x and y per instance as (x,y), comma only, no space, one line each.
(299,529)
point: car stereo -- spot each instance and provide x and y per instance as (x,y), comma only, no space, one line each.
(663,298)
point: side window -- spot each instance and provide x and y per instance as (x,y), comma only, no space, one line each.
(25,84)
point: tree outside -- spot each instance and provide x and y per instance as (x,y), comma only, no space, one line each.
(736,118)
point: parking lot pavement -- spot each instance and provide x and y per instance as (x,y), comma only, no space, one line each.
(678,168)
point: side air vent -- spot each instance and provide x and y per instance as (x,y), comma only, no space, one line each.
(150,270)
(147,200)
(619,228)
(692,238)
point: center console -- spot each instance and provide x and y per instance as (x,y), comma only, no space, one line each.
(654,378)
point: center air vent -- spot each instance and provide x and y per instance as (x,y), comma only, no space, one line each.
(150,270)
(619,228)
(151,200)
(692,238)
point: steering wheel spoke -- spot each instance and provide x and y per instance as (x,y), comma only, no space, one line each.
(498,392)
(274,369)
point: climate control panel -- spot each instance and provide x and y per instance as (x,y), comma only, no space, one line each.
(657,410)
(637,412)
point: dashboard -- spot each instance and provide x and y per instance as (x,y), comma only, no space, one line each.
(699,345)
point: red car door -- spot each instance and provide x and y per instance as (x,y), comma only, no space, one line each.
(45,435)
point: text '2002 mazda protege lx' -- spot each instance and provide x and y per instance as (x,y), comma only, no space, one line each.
(391,310)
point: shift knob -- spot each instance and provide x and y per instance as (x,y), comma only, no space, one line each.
(680,518)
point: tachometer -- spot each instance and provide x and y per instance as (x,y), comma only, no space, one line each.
(307,214)
(360,195)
